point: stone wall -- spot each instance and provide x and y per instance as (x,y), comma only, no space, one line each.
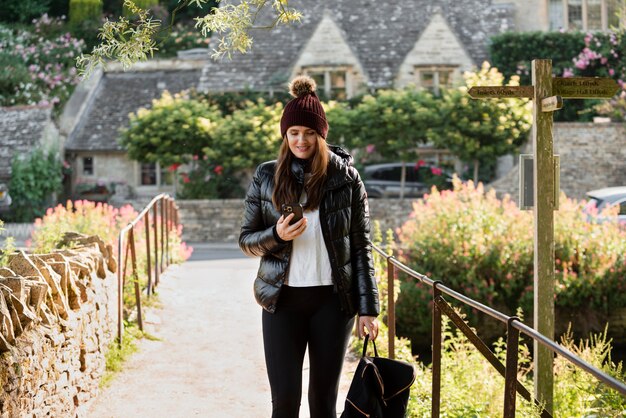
(23,128)
(219,221)
(57,315)
(593,156)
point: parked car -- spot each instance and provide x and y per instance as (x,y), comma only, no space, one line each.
(5,198)
(608,197)
(384,180)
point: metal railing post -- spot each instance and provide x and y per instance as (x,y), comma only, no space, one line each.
(120,291)
(156,246)
(391,307)
(146,224)
(510,377)
(133,255)
(437,346)
(162,205)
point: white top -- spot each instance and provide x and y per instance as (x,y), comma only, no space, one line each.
(309,264)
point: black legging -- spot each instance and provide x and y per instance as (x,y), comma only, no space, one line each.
(305,315)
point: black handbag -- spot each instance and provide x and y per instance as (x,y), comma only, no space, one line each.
(380,387)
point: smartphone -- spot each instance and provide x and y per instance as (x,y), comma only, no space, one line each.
(295,208)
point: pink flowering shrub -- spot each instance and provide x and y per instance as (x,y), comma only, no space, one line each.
(106,221)
(482,246)
(38,70)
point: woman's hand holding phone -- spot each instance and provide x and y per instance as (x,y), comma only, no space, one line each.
(287,230)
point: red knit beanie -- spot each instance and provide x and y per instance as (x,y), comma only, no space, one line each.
(305,108)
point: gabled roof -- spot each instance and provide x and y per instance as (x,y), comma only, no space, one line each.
(380,33)
(118,95)
(22,128)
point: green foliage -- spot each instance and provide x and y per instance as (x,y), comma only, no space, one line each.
(179,38)
(143,4)
(22,11)
(482,247)
(206,180)
(479,131)
(129,42)
(247,137)
(186,10)
(512,52)
(117,354)
(81,10)
(572,54)
(14,75)
(34,179)
(395,122)
(7,248)
(471,387)
(173,130)
(228,102)
(578,393)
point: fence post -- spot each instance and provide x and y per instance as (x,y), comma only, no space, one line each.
(436,390)
(133,256)
(510,378)
(146,224)
(120,291)
(162,202)
(391,307)
(167,230)
(156,246)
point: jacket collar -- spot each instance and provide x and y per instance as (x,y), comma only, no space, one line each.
(337,174)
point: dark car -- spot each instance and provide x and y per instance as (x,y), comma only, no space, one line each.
(608,197)
(384,180)
(5,199)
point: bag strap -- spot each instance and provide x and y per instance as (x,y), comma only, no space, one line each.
(367,338)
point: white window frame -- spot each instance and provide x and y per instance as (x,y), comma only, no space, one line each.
(326,70)
(159,177)
(604,16)
(435,69)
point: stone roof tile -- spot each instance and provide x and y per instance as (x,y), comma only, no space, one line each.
(118,95)
(380,33)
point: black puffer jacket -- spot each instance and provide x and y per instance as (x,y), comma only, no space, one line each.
(344,218)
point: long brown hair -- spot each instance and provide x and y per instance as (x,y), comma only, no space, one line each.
(286,189)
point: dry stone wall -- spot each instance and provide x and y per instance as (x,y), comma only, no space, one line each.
(219,221)
(57,315)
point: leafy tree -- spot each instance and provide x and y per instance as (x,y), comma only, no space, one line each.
(35,177)
(171,132)
(479,131)
(129,41)
(247,137)
(394,123)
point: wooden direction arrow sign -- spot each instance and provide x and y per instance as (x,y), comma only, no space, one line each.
(485,92)
(584,87)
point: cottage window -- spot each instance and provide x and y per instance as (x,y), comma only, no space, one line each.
(333,83)
(585,15)
(88,166)
(434,78)
(152,174)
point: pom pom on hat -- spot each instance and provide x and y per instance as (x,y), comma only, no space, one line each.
(302,85)
(305,108)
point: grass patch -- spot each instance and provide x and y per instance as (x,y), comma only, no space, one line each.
(118,354)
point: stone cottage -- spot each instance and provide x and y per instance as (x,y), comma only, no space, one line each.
(348,46)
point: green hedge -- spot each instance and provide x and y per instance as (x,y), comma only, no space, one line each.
(81,10)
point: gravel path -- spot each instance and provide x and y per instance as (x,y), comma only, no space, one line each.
(209,359)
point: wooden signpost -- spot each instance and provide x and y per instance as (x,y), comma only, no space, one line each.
(547,94)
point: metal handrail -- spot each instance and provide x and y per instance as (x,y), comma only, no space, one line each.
(165,224)
(514,326)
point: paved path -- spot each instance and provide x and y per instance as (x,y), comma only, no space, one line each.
(209,360)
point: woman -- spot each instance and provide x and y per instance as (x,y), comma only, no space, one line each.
(316,273)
